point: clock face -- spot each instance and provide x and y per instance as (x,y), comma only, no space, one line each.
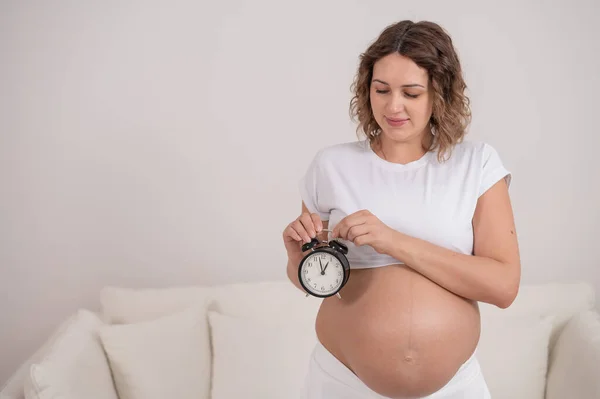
(322,273)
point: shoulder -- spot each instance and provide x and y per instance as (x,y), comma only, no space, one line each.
(483,160)
(473,152)
(471,147)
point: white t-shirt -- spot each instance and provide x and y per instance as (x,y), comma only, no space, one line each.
(424,199)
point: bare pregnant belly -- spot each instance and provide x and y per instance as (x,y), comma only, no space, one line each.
(399,332)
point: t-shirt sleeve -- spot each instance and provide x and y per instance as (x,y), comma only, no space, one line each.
(492,170)
(311,186)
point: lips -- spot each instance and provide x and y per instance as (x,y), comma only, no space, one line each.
(396,122)
(396,119)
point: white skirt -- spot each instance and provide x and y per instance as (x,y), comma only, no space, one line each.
(328,378)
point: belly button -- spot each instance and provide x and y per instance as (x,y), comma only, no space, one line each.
(409,359)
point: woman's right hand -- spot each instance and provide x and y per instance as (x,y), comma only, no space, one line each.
(301,231)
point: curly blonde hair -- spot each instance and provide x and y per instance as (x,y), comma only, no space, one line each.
(431,48)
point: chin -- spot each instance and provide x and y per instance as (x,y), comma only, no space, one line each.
(400,134)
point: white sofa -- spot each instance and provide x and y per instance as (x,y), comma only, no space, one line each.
(253,340)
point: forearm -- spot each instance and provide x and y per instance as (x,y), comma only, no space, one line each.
(473,277)
(292,272)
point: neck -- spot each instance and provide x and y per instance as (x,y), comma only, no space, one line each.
(402,152)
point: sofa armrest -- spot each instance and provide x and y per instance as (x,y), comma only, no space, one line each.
(574,363)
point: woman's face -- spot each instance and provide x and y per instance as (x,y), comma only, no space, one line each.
(401,98)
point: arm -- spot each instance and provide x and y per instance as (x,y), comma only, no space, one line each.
(492,274)
(292,273)
(295,258)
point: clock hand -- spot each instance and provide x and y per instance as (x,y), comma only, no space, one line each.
(325,268)
(321,266)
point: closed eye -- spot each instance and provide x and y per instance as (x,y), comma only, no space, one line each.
(406,94)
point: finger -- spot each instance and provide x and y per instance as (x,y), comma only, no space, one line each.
(363,239)
(348,222)
(357,231)
(299,228)
(307,222)
(345,232)
(323,236)
(290,232)
(317,222)
(335,233)
(343,224)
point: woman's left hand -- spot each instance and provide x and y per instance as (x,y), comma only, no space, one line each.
(364,228)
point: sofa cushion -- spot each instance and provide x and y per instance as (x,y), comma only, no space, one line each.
(513,353)
(536,309)
(127,305)
(263,299)
(130,305)
(259,301)
(255,358)
(575,364)
(13,388)
(74,365)
(168,357)
(560,300)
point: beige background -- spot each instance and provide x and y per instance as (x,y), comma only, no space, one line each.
(159,143)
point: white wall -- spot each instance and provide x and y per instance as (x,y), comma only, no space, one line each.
(156,143)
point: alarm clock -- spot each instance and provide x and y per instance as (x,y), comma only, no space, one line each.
(325,269)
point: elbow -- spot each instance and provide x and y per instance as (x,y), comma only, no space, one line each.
(505,301)
(509,292)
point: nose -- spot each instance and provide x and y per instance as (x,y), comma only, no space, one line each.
(395,103)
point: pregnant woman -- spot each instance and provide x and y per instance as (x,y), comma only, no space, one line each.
(428,222)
